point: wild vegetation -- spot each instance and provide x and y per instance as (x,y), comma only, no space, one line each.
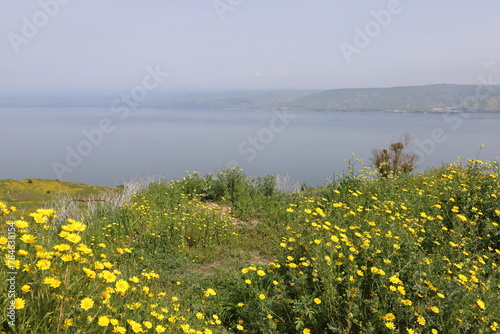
(29,193)
(392,161)
(227,253)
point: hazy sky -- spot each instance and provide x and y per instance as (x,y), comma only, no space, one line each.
(247,44)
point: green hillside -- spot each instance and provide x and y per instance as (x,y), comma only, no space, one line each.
(230,100)
(30,193)
(228,253)
(412,98)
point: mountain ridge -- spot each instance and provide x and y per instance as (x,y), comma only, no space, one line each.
(426,98)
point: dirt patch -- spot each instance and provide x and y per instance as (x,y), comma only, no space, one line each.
(210,268)
(225,212)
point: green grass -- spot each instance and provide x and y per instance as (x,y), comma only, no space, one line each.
(227,253)
(29,194)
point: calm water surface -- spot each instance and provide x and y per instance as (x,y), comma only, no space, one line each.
(95,146)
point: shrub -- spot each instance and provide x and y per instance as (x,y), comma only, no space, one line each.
(392,161)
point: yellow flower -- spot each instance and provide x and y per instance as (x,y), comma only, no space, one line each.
(434,309)
(68,322)
(90,273)
(43,264)
(389,317)
(98,265)
(394,279)
(62,247)
(22,252)
(39,218)
(86,303)
(28,238)
(108,276)
(240,328)
(121,285)
(3,240)
(317,301)
(147,324)
(210,292)
(494,326)
(247,281)
(84,249)
(72,237)
(434,331)
(376,270)
(262,296)
(306,331)
(410,331)
(119,329)
(421,320)
(52,282)
(19,303)
(261,272)
(67,257)
(390,325)
(103,321)
(26,288)
(77,226)
(21,224)
(481,304)
(160,329)
(136,327)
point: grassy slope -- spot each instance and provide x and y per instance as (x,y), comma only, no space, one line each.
(31,193)
(432,233)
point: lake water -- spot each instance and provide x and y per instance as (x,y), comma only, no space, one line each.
(96,146)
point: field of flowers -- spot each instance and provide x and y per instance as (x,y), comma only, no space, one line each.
(227,253)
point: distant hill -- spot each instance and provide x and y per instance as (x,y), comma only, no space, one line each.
(430,98)
(411,98)
(230,100)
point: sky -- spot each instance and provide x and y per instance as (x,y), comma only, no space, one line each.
(81,45)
